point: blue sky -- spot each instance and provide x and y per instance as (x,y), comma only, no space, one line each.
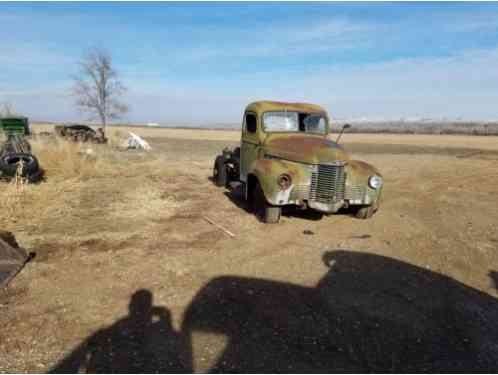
(203,62)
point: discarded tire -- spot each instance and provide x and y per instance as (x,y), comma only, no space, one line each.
(9,164)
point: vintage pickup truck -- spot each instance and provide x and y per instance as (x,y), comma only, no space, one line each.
(286,157)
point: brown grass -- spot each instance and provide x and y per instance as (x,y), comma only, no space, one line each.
(86,186)
(66,160)
(33,202)
(107,226)
(65,165)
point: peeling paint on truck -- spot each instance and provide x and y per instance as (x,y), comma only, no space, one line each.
(322,175)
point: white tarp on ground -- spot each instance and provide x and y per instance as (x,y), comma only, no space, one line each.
(136,142)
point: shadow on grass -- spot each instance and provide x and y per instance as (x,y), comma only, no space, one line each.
(368,313)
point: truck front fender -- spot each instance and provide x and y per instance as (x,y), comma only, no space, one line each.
(267,171)
(358,172)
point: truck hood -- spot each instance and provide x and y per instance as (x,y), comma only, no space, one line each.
(302,148)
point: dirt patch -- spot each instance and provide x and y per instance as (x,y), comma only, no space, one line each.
(51,251)
(415,283)
(396,149)
(208,148)
(9,295)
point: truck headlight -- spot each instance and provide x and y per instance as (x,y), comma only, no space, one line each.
(284,181)
(375,182)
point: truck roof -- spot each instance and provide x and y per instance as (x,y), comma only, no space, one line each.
(267,105)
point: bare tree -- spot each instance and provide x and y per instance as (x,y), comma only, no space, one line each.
(6,110)
(97,87)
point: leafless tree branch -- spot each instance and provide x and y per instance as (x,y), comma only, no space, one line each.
(6,110)
(97,88)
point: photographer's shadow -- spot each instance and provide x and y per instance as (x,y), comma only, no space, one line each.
(142,342)
(368,313)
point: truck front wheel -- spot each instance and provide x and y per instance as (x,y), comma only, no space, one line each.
(220,177)
(263,210)
(366,212)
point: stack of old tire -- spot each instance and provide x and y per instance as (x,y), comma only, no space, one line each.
(16,159)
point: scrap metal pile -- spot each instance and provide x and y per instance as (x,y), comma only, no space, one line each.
(80,133)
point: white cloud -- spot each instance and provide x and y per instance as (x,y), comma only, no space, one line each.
(470,22)
(41,104)
(27,55)
(463,85)
(273,40)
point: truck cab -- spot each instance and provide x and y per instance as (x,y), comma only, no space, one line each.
(286,158)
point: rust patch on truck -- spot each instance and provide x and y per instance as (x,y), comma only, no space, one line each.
(317,172)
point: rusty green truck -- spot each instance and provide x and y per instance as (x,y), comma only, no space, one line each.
(286,158)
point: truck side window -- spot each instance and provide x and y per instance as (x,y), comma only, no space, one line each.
(251,123)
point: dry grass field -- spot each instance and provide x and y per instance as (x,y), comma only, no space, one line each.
(129,276)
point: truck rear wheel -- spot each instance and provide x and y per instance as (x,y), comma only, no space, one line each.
(262,209)
(220,172)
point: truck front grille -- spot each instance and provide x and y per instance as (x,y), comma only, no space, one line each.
(328,183)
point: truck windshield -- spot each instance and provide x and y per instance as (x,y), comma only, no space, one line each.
(294,122)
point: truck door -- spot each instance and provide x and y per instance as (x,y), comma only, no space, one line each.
(249,144)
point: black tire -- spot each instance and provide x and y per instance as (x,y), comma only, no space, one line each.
(9,164)
(7,148)
(36,177)
(262,209)
(220,177)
